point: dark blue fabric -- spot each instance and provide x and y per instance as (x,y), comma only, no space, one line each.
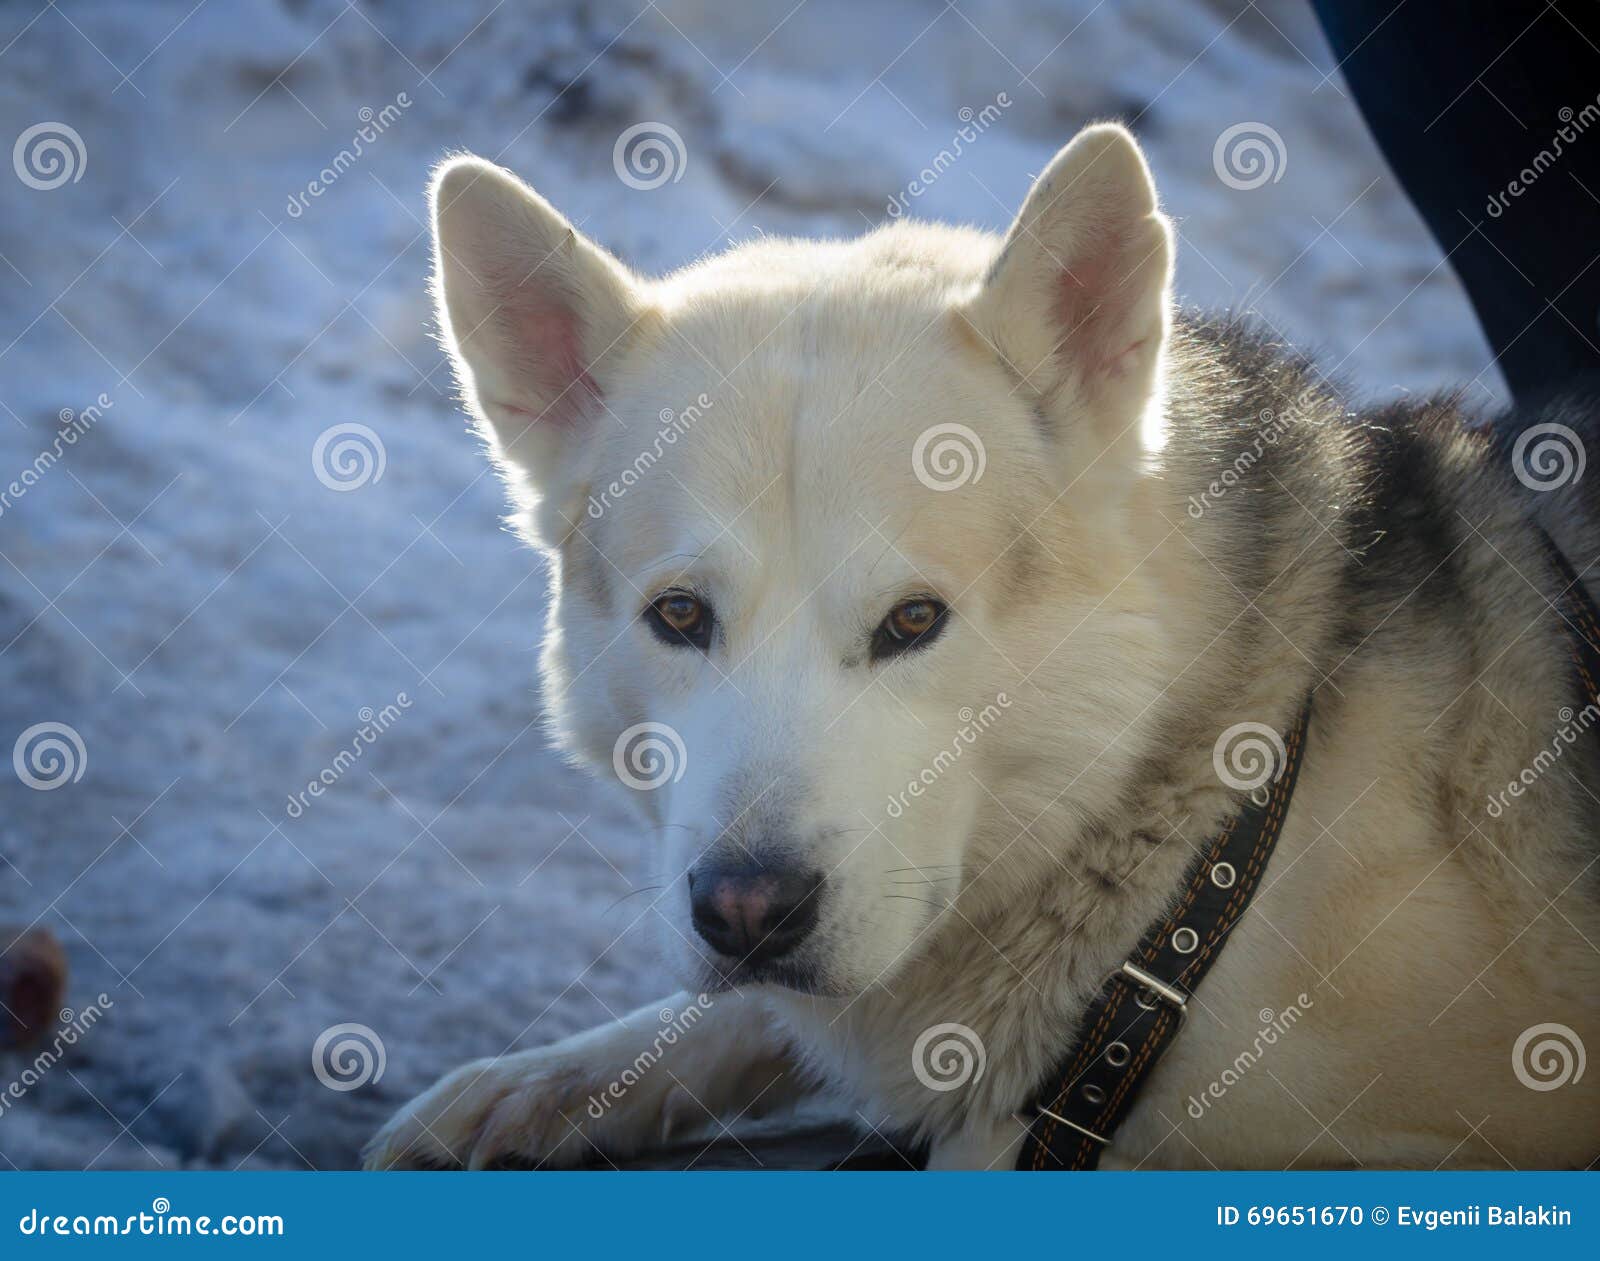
(1464,98)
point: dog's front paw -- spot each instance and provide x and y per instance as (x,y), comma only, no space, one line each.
(517,1107)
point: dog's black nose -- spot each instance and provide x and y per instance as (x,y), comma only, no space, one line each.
(753,912)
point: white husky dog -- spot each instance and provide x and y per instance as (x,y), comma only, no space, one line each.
(908,583)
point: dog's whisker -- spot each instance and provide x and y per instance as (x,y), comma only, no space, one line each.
(905,897)
(649,888)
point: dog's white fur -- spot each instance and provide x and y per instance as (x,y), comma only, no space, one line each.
(1085,604)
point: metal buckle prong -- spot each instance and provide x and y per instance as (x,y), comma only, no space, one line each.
(1056,1116)
(1174,998)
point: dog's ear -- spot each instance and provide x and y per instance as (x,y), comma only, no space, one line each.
(534,315)
(1078,302)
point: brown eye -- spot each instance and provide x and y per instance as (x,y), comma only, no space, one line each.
(680,618)
(912,618)
(913,623)
(679,611)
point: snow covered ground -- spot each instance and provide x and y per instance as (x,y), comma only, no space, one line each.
(216,623)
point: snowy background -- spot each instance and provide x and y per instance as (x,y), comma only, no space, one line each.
(184,591)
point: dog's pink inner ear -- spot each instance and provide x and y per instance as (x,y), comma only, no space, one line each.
(550,375)
(549,337)
(1096,301)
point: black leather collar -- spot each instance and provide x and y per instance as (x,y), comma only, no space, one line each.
(1142,1005)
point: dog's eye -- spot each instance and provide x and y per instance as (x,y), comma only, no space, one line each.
(913,623)
(680,618)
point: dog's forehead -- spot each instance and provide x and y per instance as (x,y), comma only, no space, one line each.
(831,436)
